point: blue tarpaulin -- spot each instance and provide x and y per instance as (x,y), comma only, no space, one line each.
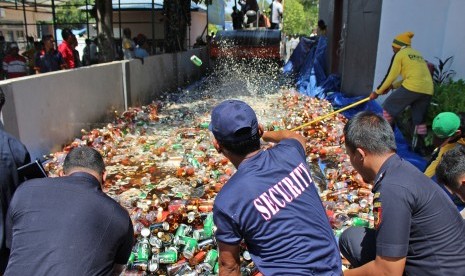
(307,66)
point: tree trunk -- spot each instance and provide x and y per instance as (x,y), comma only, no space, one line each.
(177,18)
(104,18)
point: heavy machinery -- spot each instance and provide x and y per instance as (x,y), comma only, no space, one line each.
(252,42)
(247,43)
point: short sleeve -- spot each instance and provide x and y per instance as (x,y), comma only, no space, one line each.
(393,215)
(295,144)
(124,251)
(227,230)
(20,153)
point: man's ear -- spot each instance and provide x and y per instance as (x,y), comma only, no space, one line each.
(104,176)
(260,130)
(360,153)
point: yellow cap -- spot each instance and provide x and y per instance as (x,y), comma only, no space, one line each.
(402,40)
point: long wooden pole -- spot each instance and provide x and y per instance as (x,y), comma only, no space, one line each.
(331,114)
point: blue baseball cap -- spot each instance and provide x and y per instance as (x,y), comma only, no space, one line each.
(229,117)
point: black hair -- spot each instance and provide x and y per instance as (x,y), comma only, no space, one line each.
(127,32)
(244,147)
(46,37)
(66,33)
(84,157)
(451,167)
(370,132)
(321,24)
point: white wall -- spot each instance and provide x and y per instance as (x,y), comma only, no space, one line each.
(454,38)
(199,21)
(438,28)
(45,111)
(48,110)
(162,73)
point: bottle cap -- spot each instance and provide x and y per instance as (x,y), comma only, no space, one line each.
(145,232)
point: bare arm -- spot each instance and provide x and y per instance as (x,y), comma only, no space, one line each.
(380,266)
(229,259)
(278,135)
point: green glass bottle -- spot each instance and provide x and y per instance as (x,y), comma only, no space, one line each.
(197,61)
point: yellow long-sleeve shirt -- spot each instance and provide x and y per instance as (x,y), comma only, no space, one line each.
(416,77)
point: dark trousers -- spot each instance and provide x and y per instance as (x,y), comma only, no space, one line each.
(358,245)
(274,26)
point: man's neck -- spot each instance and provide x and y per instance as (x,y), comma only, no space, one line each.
(377,161)
(236,160)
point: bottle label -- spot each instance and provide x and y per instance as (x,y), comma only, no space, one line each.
(167,257)
(211,258)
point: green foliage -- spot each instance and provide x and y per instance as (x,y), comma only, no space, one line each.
(300,16)
(294,18)
(448,96)
(311,14)
(69,15)
(442,72)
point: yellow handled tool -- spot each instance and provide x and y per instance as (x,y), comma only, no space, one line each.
(331,114)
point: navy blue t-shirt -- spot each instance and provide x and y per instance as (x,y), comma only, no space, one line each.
(416,220)
(66,226)
(271,202)
(13,154)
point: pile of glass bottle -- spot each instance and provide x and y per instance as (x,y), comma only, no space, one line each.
(162,167)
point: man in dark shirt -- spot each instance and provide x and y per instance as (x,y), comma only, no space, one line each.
(270,202)
(237,18)
(49,59)
(450,172)
(13,154)
(67,225)
(417,227)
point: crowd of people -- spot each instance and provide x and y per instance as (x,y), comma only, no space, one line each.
(135,48)
(44,55)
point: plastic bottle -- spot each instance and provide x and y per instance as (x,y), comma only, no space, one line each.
(197,61)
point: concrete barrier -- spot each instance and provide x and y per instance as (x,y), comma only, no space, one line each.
(47,111)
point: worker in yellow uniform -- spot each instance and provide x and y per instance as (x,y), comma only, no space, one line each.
(415,89)
(450,129)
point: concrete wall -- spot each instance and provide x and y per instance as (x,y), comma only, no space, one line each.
(454,39)
(47,111)
(162,73)
(437,26)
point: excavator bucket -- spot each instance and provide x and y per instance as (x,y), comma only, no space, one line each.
(247,44)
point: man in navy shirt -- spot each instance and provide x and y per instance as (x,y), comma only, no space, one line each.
(450,172)
(418,230)
(67,225)
(270,202)
(13,154)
